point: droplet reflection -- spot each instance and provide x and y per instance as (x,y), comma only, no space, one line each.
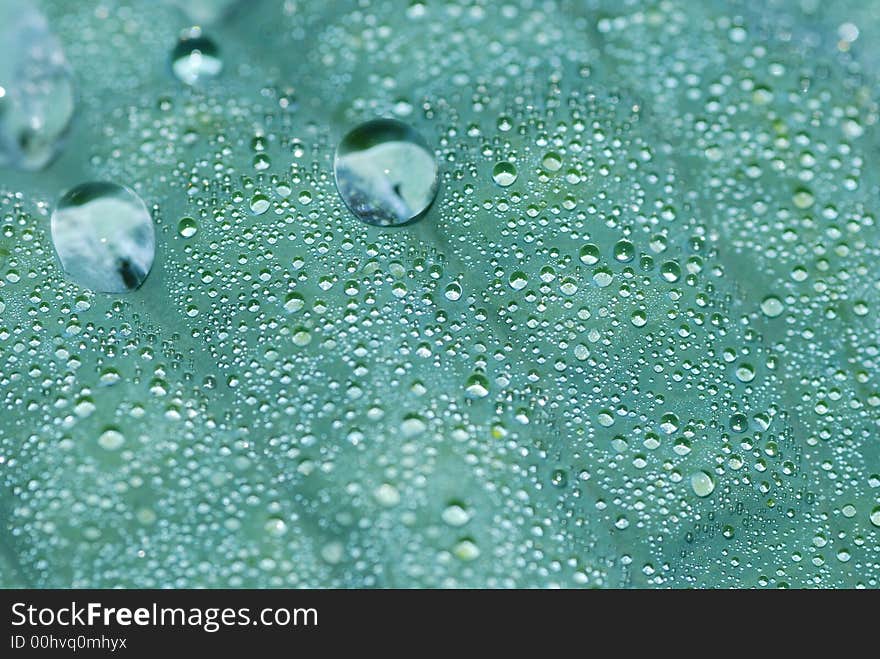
(104,237)
(386,173)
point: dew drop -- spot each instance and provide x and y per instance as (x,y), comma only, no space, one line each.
(387,495)
(294,303)
(37,99)
(803,198)
(455,514)
(518,281)
(333,552)
(187,227)
(552,161)
(195,58)
(386,173)
(702,483)
(624,251)
(259,204)
(504,174)
(466,550)
(111,440)
(276,527)
(745,373)
(477,386)
(104,237)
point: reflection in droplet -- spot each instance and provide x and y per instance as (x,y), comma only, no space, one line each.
(386,173)
(504,174)
(195,58)
(36,88)
(103,235)
(772,306)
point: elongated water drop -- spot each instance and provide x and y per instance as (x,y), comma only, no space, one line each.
(103,235)
(386,173)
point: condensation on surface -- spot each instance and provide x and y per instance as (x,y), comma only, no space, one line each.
(645,357)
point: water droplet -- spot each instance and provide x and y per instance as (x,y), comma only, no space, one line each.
(259,204)
(603,277)
(745,373)
(386,173)
(103,235)
(702,483)
(195,58)
(624,251)
(875,516)
(669,423)
(453,292)
(36,88)
(187,227)
(387,495)
(803,198)
(455,514)
(294,303)
(276,527)
(333,552)
(504,174)
(466,550)
(552,161)
(589,254)
(477,386)
(111,439)
(670,271)
(772,306)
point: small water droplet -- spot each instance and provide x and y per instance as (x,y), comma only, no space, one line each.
(387,495)
(504,174)
(466,550)
(477,386)
(187,227)
(702,483)
(111,439)
(456,514)
(276,527)
(624,251)
(195,58)
(386,173)
(552,161)
(745,373)
(259,204)
(37,97)
(589,254)
(518,281)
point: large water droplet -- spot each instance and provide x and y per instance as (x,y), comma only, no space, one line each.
(36,88)
(386,173)
(195,58)
(104,237)
(504,174)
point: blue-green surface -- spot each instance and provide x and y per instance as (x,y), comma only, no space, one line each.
(652,360)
